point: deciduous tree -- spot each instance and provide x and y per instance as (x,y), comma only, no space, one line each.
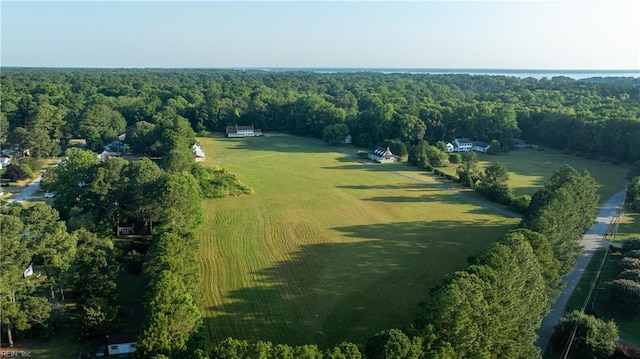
(335,134)
(393,344)
(594,338)
(494,183)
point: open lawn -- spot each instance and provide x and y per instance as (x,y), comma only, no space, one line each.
(629,325)
(529,169)
(629,226)
(326,250)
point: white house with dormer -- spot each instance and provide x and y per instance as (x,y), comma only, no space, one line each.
(462,144)
(382,155)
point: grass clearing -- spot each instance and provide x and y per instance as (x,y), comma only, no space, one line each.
(629,226)
(130,297)
(326,249)
(628,325)
(529,169)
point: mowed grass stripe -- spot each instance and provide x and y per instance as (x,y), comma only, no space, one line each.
(327,249)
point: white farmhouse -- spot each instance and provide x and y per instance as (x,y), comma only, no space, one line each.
(465,145)
(243,131)
(462,144)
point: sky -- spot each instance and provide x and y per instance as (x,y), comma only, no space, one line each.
(543,34)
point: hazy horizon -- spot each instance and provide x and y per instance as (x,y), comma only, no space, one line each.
(379,68)
(589,35)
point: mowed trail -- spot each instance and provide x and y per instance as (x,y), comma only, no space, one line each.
(326,250)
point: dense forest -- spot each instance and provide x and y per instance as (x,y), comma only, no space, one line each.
(489,310)
(43,108)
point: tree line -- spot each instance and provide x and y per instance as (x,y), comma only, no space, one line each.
(44,108)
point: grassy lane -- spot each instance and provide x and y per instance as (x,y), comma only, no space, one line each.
(529,169)
(326,250)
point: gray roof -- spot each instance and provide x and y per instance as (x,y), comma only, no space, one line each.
(480,144)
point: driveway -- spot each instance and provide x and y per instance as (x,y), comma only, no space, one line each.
(28,191)
(591,241)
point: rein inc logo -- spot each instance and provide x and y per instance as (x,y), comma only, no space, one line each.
(15,354)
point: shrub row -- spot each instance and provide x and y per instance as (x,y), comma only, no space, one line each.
(624,292)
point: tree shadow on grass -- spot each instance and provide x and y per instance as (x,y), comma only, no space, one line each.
(288,144)
(435,194)
(404,186)
(365,165)
(631,225)
(356,166)
(371,280)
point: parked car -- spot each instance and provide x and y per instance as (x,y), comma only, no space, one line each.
(49,195)
(101,350)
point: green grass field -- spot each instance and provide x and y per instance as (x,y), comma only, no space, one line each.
(629,226)
(529,169)
(327,249)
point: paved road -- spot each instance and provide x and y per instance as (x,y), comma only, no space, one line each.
(591,241)
(28,191)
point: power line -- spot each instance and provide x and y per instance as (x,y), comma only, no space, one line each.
(616,219)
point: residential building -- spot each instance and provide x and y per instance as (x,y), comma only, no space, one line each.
(121,344)
(382,155)
(198,153)
(450,147)
(243,131)
(480,146)
(465,145)
(462,144)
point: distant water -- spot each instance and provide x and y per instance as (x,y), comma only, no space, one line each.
(521,73)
